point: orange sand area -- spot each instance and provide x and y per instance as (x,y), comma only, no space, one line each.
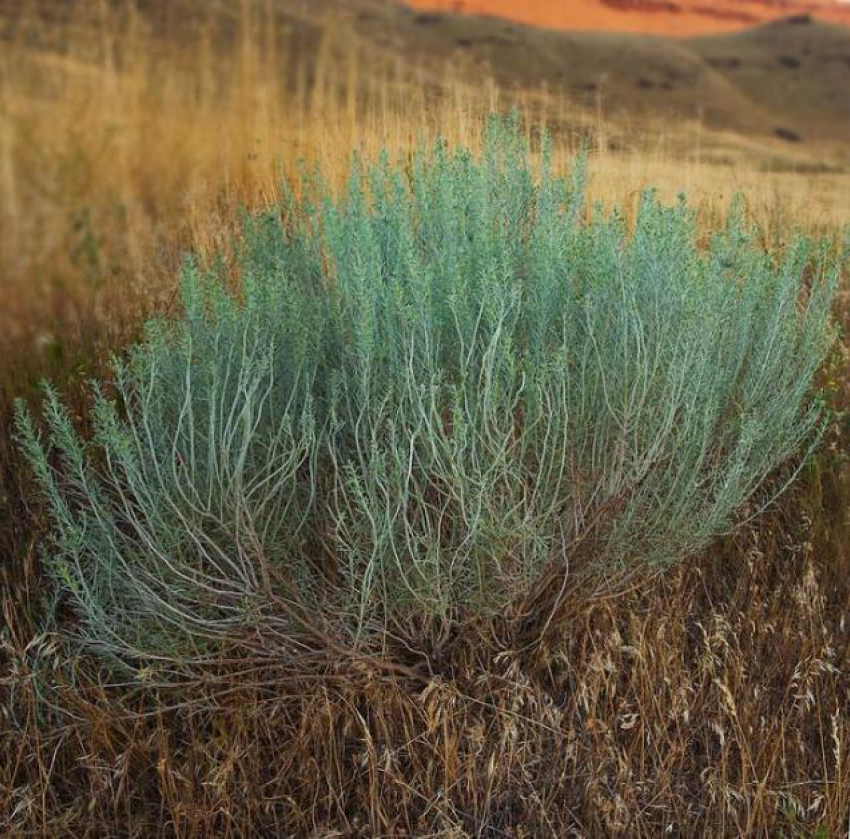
(662,17)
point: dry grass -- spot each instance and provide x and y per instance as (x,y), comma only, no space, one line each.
(713,702)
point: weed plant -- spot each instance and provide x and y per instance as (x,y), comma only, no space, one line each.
(429,401)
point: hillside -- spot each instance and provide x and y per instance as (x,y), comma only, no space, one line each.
(664,17)
(785,80)
(798,74)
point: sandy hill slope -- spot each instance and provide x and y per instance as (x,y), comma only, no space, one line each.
(667,17)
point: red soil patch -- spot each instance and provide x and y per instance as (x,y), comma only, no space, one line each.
(662,17)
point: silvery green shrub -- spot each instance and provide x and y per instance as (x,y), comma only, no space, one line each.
(421,396)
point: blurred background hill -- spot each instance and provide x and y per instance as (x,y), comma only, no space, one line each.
(785,78)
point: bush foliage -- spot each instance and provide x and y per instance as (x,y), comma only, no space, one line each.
(424,398)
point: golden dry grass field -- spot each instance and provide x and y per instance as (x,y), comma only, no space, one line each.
(714,700)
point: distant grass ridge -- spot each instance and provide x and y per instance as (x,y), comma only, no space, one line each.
(424,399)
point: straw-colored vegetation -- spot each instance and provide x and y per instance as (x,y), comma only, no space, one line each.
(709,700)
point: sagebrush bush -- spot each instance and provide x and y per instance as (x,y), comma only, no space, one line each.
(423,398)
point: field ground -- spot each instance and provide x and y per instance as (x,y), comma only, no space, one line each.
(712,701)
